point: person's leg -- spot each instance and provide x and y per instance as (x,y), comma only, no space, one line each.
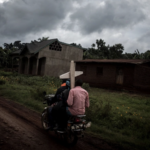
(62,119)
(50,117)
(68,112)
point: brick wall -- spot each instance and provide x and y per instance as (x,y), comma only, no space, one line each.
(90,74)
(107,77)
(142,78)
(128,75)
(135,77)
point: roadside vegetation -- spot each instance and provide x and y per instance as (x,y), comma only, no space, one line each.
(119,117)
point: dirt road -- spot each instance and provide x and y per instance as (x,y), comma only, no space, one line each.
(20,129)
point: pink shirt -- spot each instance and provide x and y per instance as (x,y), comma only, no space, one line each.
(78,99)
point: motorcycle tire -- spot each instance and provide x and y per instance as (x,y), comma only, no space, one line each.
(71,139)
(44,120)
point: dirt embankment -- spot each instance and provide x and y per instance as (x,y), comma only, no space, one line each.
(20,129)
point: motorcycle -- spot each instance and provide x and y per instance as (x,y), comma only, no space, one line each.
(75,125)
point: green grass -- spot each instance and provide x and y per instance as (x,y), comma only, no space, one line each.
(21,94)
(118,117)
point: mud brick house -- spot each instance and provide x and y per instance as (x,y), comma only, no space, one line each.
(50,57)
(116,73)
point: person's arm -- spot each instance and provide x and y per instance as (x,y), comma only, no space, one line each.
(70,98)
(87,103)
(65,95)
(54,99)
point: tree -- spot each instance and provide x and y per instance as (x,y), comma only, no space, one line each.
(147,54)
(105,52)
(17,45)
(93,45)
(137,54)
(4,57)
(40,39)
(98,50)
(5,54)
(8,46)
(77,45)
(128,56)
(43,39)
(116,51)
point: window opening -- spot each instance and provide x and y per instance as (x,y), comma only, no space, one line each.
(55,46)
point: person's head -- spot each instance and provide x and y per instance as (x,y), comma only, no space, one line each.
(68,83)
(78,82)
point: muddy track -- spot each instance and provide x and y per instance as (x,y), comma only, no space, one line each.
(20,129)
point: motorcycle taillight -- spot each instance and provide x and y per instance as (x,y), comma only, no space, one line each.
(77,120)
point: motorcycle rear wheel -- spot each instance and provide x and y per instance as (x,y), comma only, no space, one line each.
(71,139)
(44,120)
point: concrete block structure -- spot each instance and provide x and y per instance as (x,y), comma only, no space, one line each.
(49,57)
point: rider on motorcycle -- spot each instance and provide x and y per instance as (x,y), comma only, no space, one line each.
(77,100)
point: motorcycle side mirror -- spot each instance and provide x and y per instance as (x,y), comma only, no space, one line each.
(44,93)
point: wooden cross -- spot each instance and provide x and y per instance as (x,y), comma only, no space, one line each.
(71,74)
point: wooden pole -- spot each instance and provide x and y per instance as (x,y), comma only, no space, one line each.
(72,74)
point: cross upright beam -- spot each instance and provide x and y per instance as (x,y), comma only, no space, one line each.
(71,74)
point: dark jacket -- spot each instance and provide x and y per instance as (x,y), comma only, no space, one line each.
(56,98)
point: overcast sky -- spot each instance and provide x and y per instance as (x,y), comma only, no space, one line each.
(77,21)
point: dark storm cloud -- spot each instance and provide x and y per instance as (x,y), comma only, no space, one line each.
(145,38)
(21,17)
(114,14)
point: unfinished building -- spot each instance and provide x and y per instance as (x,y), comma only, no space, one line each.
(49,57)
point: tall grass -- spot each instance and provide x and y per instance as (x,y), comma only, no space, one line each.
(120,117)
(27,90)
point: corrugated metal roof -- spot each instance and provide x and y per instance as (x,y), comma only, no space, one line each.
(130,61)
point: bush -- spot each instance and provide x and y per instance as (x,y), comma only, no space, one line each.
(37,93)
(106,110)
(86,86)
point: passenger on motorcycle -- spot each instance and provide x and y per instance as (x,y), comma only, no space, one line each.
(56,98)
(59,98)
